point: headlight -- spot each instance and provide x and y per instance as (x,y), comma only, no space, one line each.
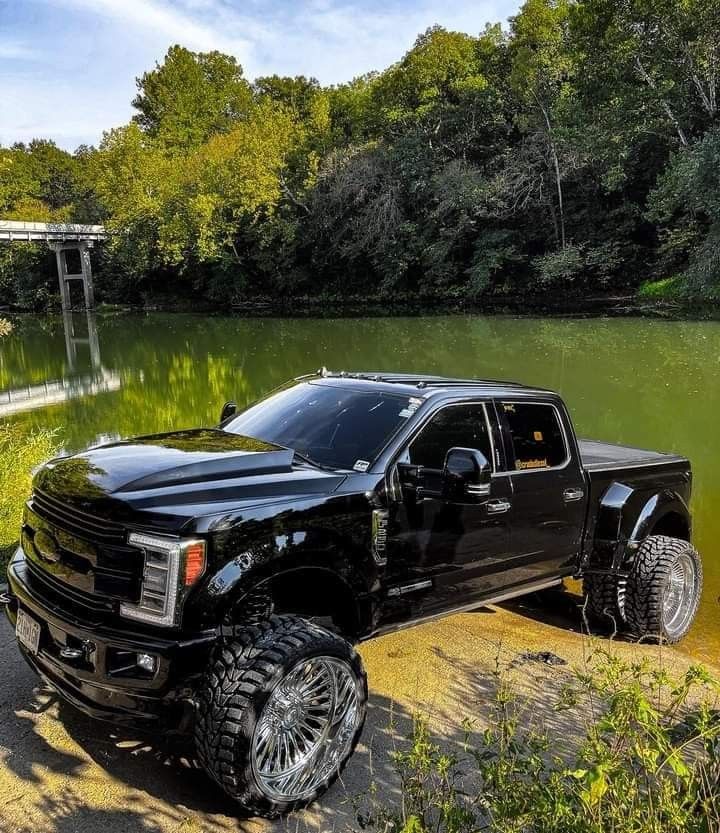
(171,566)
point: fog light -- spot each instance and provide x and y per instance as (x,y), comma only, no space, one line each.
(147,662)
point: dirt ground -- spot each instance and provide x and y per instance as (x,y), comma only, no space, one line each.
(61,772)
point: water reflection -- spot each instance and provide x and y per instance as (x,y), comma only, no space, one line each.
(75,337)
(76,384)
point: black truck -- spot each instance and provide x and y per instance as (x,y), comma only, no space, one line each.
(214,581)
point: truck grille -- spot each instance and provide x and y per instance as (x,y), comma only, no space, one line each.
(76,522)
(86,606)
(92,569)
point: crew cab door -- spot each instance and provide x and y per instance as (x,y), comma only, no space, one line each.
(548,508)
(441,553)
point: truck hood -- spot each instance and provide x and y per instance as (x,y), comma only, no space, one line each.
(173,477)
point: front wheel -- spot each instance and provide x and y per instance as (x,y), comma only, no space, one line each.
(664,587)
(279,714)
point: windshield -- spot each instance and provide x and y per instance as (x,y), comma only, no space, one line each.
(331,426)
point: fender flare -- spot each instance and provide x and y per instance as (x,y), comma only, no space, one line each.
(659,506)
(626,516)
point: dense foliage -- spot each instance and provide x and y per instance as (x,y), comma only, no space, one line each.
(20,453)
(625,747)
(577,151)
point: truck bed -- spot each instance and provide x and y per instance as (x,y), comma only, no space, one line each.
(599,456)
(648,472)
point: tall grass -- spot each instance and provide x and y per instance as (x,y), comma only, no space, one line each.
(645,759)
(21,451)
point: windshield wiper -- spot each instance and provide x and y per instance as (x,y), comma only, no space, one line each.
(305,459)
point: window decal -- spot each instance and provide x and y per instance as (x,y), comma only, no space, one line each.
(522,465)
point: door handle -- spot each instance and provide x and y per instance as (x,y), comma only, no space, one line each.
(571,495)
(497,507)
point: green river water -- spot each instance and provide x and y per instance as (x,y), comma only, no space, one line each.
(643,382)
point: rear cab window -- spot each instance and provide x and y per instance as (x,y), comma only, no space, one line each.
(536,437)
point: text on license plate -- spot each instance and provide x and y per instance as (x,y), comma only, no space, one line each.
(28,631)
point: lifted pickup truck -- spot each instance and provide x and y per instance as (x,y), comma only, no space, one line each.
(216,580)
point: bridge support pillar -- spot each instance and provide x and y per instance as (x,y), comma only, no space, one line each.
(84,275)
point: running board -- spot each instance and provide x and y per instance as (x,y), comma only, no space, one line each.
(525,590)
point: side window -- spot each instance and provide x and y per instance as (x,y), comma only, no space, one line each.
(537,437)
(457,425)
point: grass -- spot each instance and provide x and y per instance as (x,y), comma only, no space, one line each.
(21,451)
(645,758)
(666,289)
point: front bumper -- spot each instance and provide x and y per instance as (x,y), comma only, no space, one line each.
(91,682)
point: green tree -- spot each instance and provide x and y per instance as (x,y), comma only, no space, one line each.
(687,203)
(184,211)
(649,65)
(190,97)
(436,69)
(38,171)
(559,154)
(541,79)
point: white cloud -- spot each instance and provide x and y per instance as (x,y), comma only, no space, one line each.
(329,39)
(338,42)
(200,26)
(16,51)
(107,43)
(54,110)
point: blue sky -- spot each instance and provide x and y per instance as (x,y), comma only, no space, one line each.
(68,67)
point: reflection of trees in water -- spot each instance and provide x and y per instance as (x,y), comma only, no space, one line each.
(209,441)
(623,378)
(72,478)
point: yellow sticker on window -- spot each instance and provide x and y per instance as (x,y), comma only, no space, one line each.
(538,436)
(522,465)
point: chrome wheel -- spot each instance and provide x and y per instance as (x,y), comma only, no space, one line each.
(306,728)
(680,595)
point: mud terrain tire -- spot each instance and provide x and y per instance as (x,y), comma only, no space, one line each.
(247,673)
(664,589)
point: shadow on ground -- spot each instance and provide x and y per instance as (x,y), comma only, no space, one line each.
(61,771)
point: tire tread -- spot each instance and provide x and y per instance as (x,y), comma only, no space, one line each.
(239,677)
(646,586)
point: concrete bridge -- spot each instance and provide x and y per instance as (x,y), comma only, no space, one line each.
(61,238)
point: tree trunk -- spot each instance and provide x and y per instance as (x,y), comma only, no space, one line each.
(556,167)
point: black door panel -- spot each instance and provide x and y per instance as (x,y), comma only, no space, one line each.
(435,545)
(548,484)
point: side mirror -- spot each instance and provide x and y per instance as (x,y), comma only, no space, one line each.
(229,409)
(466,475)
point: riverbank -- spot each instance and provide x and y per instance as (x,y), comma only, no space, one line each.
(648,303)
(61,771)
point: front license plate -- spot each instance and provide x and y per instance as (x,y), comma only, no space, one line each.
(28,631)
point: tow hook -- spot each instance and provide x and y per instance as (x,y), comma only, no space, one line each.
(83,652)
